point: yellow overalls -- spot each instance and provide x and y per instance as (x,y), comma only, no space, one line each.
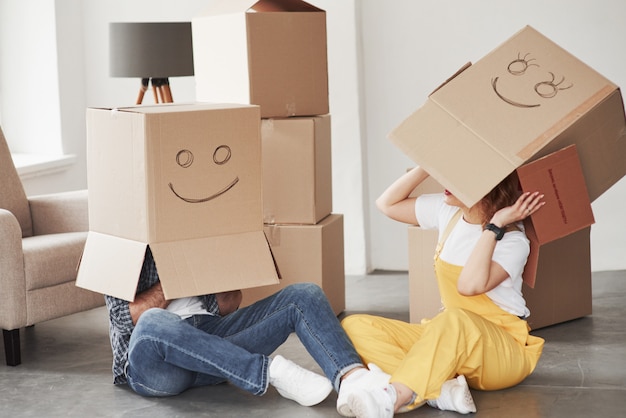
(472,336)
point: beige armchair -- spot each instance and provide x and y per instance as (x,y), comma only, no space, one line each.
(41,241)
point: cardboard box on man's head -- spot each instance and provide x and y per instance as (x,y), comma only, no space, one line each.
(185,180)
(266,52)
(524,100)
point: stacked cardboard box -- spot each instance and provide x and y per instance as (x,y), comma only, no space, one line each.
(272,53)
(530,107)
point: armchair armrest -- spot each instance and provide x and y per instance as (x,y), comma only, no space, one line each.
(59,212)
(12,281)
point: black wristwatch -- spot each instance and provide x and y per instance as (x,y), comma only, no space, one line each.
(496,230)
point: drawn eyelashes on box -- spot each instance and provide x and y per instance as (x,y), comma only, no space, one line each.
(221,156)
(545,89)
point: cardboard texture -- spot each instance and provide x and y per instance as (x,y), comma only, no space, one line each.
(424,299)
(307,253)
(559,177)
(524,100)
(567,210)
(563,289)
(269,52)
(184,179)
(297,174)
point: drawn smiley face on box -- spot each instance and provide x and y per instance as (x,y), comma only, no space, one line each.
(541,84)
(209,180)
(221,156)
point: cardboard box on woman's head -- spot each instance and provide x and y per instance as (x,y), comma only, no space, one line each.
(526,99)
(531,107)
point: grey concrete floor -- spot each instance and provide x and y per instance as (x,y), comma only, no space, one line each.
(66,367)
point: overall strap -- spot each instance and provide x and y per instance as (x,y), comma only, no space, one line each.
(453,221)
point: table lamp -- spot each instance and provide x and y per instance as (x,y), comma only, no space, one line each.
(152,51)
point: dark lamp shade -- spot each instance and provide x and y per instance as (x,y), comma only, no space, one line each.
(150,50)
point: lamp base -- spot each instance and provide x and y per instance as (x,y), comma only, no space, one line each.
(160,89)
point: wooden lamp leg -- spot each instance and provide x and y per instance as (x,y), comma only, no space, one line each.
(142,89)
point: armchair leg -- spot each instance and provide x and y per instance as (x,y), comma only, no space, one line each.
(12,346)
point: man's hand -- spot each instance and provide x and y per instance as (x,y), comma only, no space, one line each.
(151,298)
(228,302)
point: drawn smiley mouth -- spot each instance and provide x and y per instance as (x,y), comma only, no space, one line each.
(185,158)
(205,199)
(494,82)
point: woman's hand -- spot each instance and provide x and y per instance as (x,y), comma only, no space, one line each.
(480,273)
(527,204)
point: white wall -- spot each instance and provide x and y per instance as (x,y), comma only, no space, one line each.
(384,58)
(410,47)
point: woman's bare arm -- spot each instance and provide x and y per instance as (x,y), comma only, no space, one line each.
(480,274)
(395,201)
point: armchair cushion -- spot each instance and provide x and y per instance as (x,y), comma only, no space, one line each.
(59,212)
(52,259)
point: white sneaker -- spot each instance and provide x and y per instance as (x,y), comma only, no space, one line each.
(455,396)
(298,384)
(375,402)
(359,380)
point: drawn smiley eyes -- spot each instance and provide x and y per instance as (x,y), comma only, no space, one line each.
(221,156)
(546,89)
(185,159)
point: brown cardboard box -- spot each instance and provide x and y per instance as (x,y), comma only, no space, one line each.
(307,253)
(567,210)
(424,297)
(563,288)
(297,174)
(184,179)
(524,100)
(269,52)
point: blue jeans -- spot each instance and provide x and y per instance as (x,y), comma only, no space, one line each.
(168,355)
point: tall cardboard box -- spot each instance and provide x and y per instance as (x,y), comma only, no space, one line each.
(307,253)
(563,288)
(424,298)
(271,53)
(184,179)
(524,100)
(297,173)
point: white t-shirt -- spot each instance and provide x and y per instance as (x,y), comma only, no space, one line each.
(186,307)
(510,253)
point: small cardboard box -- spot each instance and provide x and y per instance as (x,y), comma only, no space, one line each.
(266,52)
(297,173)
(524,100)
(184,179)
(307,253)
(563,288)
